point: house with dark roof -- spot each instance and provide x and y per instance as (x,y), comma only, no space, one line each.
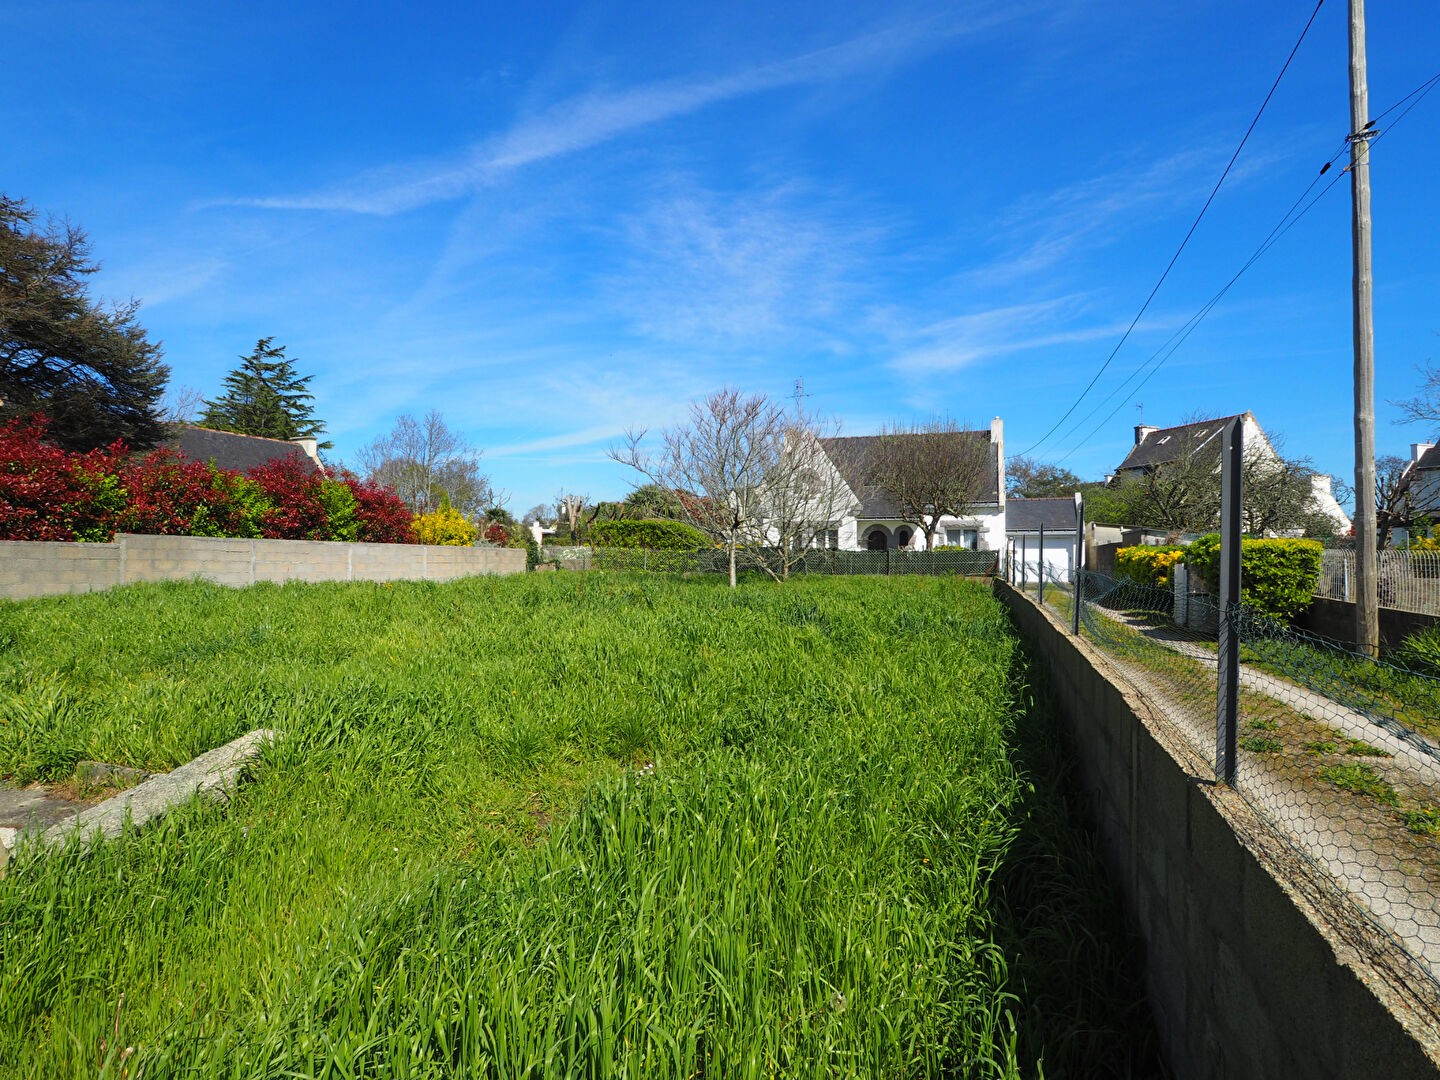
(1041,532)
(1425,474)
(1421,507)
(228,450)
(875,523)
(1155,447)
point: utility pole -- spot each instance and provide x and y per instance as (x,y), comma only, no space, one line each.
(1367,603)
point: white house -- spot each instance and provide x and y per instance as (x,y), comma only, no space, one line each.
(1161,446)
(1425,477)
(1041,533)
(875,523)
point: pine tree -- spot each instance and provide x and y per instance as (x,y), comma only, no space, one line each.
(88,367)
(264,396)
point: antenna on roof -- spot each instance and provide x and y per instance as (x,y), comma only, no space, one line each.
(799,395)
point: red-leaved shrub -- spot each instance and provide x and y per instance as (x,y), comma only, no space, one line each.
(47,493)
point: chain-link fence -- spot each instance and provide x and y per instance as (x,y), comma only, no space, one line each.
(1340,752)
(1408,580)
(946,561)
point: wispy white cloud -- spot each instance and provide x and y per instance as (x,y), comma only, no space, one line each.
(713,270)
(587,120)
(599,433)
(965,340)
(957,342)
(159,282)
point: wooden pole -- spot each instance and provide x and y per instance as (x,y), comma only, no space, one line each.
(1367,602)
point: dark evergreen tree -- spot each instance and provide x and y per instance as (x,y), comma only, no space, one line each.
(89,367)
(264,396)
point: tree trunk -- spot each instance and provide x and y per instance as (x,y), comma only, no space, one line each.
(731,546)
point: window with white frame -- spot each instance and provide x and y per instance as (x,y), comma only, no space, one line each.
(828,539)
(969,539)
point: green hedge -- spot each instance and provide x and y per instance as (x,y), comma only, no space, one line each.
(1277,577)
(1148,565)
(655,535)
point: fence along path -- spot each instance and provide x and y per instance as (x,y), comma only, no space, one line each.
(943,561)
(1408,580)
(1355,791)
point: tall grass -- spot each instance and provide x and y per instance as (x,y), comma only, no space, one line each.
(556,826)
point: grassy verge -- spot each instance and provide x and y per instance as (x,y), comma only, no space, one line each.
(553,826)
(1299,747)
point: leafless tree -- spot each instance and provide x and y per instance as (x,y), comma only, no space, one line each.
(750,475)
(425,463)
(1399,500)
(930,470)
(1424,407)
(539,514)
(569,506)
(1183,493)
(182,405)
(804,495)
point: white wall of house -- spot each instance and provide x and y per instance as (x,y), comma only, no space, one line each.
(1058,556)
(987,524)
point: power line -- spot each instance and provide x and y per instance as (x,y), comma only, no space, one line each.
(1281,227)
(1193,226)
(1286,223)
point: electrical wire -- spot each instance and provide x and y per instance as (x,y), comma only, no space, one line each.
(1286,223)
(1193,226)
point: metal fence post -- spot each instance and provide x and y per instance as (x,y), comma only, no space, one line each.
(1040,570)
(1076,595)
(1227,688)
(1023,566)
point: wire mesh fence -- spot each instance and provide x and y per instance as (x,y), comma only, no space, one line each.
(945,561)
(1339,752)
(1408,580)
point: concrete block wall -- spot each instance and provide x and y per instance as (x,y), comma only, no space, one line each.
(1254,967)
(46,568)
(1335,619)
(33,568)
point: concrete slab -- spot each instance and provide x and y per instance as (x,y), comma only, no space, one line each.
(41,820)
(34,808)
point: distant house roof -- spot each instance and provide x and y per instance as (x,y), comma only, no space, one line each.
(849,453)
(1027,515)
(231,451)
(1430,459)
(1159,446)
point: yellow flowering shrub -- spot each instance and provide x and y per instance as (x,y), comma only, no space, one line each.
(1148,565)
(446,526)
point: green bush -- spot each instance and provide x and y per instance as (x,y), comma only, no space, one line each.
(1277,577)
(1420,652)
(1148,565)
(656,535)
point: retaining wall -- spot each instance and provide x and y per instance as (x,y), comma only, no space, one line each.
(1254,967)
(41,568)
(1335,619)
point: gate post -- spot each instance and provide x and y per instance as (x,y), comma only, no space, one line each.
(1040,571)
(1076,595)
(1227,684)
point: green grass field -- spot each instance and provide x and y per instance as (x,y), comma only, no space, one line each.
(559,825)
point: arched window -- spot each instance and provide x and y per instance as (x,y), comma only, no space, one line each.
(876,540)
(902,538)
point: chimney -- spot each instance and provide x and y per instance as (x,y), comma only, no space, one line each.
(1141,430)
(1320,485)
(1418,449)
(997,440)
(311,448)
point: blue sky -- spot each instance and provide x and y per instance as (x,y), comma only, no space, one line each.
(554,222)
